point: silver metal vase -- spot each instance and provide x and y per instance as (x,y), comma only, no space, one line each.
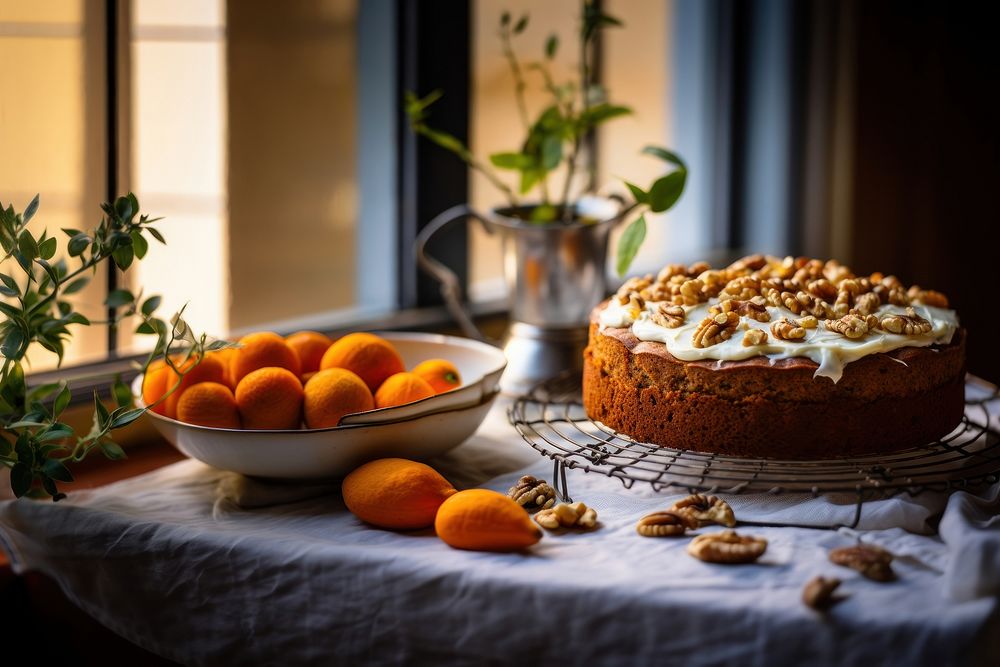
(555,275)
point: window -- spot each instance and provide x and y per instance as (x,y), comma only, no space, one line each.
(238,123)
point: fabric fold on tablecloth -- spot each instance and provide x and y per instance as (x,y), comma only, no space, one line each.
(206,568)
(971,529)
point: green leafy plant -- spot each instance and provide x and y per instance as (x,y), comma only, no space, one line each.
(555,137)
(34,443)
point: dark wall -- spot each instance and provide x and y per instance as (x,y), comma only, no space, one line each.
(927,157)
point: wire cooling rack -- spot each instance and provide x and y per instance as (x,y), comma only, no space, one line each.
(551,419)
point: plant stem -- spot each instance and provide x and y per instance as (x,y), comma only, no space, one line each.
(567,211)
(515,68)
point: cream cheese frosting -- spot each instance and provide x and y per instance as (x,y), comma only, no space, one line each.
(829,349)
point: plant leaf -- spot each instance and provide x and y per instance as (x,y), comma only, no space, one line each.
(123,257)
(150,305)
(529,178)
(62,401)
(76,318)
(551,152)
(119,297)
(629,244)
(446,141)
(516,161)
(156,235)
(521,24)
(123,207)
(56,470)
(544,213)
(47,249)
(10,287)
(76,285)
(602,112)
(126,418)
(665,155)
(667,190)
(100,412)
(641,196)
(77,245)
(26,244)
(112,450)
(30,210)
(12,343)
(121,392)
(551,46)
(139,244)
(57,431)
(20,479)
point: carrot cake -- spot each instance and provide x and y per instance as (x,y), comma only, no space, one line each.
(781,358)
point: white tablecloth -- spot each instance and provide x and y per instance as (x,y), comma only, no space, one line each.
(201,566)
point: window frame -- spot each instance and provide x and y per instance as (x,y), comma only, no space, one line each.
(421,55)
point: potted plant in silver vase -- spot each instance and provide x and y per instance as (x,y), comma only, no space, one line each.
(555,244)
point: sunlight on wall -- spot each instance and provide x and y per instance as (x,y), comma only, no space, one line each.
(52,134)
(178,157)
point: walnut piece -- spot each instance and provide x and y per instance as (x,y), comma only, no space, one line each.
(818,593)
(715,329)
(704,509)
(871,561)
(665,524)
(807,322)
(822,289)
(910,324)
(691,293)
(754,337)
(866,304)
(784,329)
(565,515)
(727,547)
(533,494)
(668,316)
(742,288)
(755,308)
(928,297)
(853,326)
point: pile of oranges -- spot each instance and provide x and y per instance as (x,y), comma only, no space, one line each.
(270,382)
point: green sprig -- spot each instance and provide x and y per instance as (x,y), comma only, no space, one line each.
(34,443)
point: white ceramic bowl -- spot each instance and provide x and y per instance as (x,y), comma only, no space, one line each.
(419,430)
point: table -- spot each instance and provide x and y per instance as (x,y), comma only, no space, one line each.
(205,567)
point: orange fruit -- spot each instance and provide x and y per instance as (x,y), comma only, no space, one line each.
(372,358)
(225,355)
(209,369)
(310,346)
(484,520)
(333,393)
(440,374)
(209,404)
(261,350)
(396,493)
(154,384)
(270,398)
(402,388)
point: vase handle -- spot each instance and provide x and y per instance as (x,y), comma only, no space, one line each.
(451,288)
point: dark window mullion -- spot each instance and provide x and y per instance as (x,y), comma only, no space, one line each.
(434,53)
(111,129)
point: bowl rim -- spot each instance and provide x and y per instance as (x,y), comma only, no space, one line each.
(400,335)
(287,431)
